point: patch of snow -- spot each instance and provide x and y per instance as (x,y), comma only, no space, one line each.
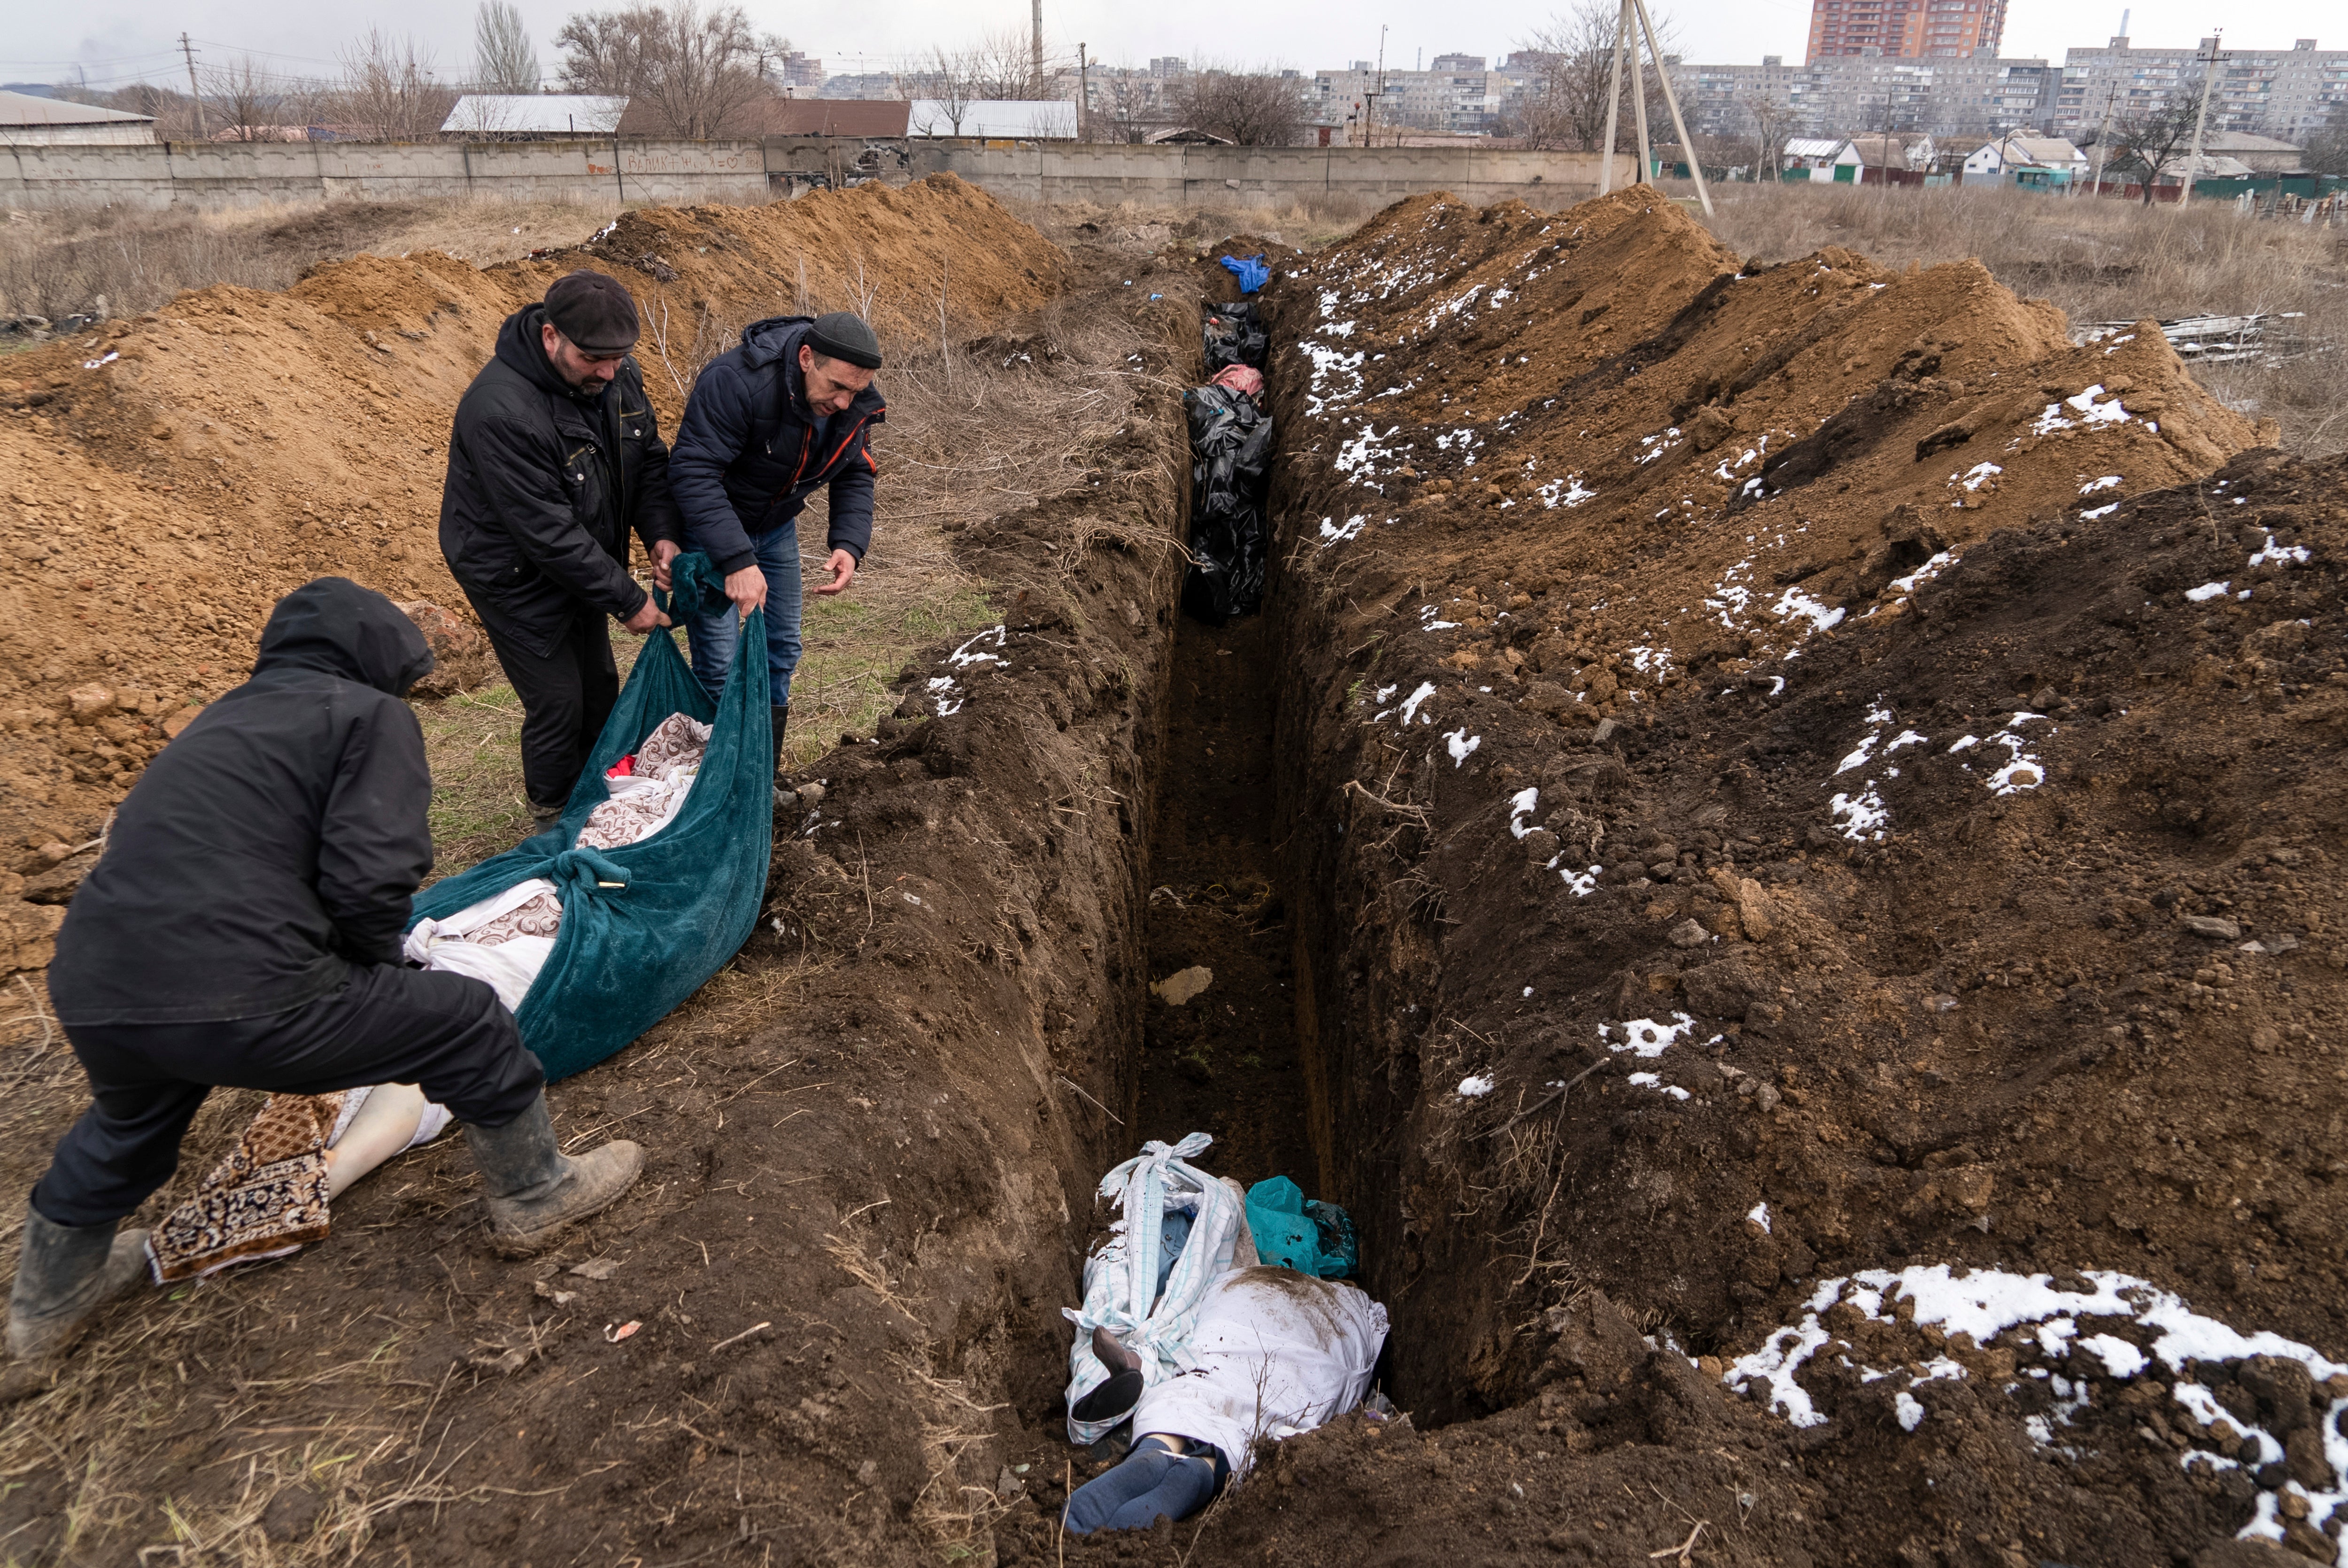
(1410,703)
(1475,1088)
(1462,744)
(2207,591)
(1332,532)
(1760,1216)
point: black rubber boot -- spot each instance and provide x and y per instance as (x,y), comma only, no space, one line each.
(535,1191)
(1122,1393)
(782,723)
(67,1272)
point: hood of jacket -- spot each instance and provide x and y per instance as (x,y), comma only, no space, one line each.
(337,628)
(522,346)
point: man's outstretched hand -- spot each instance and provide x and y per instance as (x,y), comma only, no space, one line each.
(648,618)
(842,567)
(747,589)
(663,553)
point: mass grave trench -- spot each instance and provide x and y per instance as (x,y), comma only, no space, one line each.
(1666,975)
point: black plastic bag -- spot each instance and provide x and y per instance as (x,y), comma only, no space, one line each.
(1231,467)
(1235,335)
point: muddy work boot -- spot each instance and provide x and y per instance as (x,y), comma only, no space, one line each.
(66,1273)
(535,1191)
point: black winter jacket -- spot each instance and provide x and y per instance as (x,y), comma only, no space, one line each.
(749,450)
(275,842)
(543,485)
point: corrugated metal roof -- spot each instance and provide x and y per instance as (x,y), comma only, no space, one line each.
(23,108)
(534,114)
(1036,119)
(1813,147)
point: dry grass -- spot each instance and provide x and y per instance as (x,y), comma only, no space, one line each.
(2102,260)
(56,264)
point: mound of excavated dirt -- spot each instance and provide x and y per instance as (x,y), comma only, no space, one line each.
(170,477)
(1830,754)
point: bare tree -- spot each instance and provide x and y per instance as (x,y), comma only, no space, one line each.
(694,69)
(504,59)
(2327,150)
(948,83)
(389,88)
(247,96)
(1252,108)
(1566,107)
(2144,144)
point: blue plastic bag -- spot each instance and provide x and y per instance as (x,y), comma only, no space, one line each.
(1314,1238)
(1253,272)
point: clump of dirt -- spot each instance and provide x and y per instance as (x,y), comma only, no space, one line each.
(1793,773)
(172,476)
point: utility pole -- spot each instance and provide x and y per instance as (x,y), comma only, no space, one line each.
(195,94)
(1038,11)
(1671,102)
(1370,126)
(1614,101)
(2104,133)
(1084,93)
(2200,118)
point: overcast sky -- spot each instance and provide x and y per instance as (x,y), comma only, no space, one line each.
(123,40)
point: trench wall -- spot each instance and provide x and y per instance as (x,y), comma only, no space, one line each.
(211,176)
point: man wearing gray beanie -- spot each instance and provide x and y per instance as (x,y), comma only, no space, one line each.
(770,422)
(554,459)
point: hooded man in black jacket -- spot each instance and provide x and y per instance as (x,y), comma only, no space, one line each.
(555,455)
(785,413)
(242,929)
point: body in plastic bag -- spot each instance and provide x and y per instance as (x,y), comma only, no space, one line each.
(1230,461)
(1235,335)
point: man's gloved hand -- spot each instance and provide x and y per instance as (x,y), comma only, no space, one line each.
(664,552)
(648,618)
(747,589)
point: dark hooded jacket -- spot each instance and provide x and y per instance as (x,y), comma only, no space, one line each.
(749,450)
(275,842)
(544,483)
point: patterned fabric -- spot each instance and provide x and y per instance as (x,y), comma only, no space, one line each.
(676,742)
(266,1199)
(540,916)
(642,802)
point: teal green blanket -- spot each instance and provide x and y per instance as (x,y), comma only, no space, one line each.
(644,925)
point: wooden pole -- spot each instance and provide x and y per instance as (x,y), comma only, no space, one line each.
(1672,101)
(1639,100)
(1613,98)
(2200,118)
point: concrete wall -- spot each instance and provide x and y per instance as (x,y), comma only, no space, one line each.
(1246,175)
(213,175)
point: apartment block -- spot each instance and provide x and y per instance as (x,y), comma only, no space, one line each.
(2287,93)
(1905,29)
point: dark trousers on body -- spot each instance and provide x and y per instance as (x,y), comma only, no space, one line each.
(448,1033)
(565,695)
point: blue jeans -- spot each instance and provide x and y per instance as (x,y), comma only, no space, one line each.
(713,636)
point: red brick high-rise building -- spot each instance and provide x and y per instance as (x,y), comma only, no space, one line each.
(1905,29)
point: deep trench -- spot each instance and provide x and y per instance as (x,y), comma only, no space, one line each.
(1239,1061)
(1225,1061)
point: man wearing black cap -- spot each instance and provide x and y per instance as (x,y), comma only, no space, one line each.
(770,422)
(555,456)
